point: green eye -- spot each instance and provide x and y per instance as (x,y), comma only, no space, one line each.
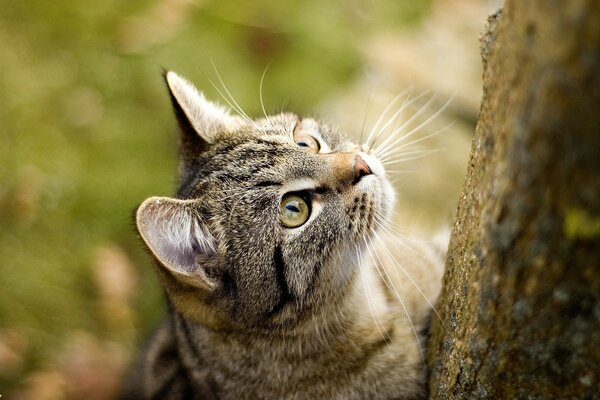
(293,211)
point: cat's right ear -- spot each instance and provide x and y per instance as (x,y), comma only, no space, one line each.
(178,239)
(199,119)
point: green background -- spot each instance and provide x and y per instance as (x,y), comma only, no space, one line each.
(86,133)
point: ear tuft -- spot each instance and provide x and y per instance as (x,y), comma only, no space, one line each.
(174,233)
(206,118)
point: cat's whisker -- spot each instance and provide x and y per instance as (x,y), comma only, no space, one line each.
(381,152)
(407,102)
(407,156)
(397,239)
(227,91)
(364,122)
(239,111)
(397,134)
(396,262)
(392,137)
(230,100)
(393,230)
(390,285)
(381,117)
(368,296)
(399,172)
(389,121)
(400,160)
(260,93)
(399,146)
(397,231)
(376,318)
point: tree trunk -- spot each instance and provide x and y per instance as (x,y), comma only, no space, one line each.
(520,306)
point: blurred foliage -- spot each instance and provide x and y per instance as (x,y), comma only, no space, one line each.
(87,133)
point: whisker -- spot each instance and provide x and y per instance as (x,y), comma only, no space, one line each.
(260,93)
(396,262)
(383,114)
(407,103)
(230,104)
(389,121)
(362,128)
(400,172)
(421,139)
(237,107)
(390,147)
(392,137)
(390,285)
(366,286)
(407,156)
(394,231)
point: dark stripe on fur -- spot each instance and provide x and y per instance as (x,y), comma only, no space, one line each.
(168,388)
(284,291)
(205,388)
(267,184)
(373,349)
(187,336)
(315,276)
(229,283)
(385,341)
(425,329)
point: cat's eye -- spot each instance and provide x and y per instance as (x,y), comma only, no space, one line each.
(293,210)
(303,139)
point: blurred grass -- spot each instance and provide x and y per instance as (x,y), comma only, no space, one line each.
(86,134)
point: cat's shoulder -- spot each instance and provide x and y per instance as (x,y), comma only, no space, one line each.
(158,371)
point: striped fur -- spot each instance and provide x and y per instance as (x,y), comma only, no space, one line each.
(258,310)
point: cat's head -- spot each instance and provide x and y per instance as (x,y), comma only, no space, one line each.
(268,216)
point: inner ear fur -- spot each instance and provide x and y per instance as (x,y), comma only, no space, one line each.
(178,239)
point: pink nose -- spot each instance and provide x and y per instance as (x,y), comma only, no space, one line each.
(361,168)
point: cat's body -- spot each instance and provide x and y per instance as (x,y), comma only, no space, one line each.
(280,282)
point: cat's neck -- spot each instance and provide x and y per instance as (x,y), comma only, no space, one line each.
(360,338)
(360,316)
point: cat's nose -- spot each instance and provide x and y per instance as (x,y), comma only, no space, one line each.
(361,168)
(346,168)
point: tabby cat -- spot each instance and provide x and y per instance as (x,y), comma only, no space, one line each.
(281,277)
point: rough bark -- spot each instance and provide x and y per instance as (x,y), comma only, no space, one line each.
(520,306)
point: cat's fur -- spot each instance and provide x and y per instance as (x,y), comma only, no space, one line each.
(259,310)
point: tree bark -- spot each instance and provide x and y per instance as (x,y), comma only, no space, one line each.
(520,304)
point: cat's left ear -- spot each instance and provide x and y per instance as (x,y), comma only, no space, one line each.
(179,240)
(194,111)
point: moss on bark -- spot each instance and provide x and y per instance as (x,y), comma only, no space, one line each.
(521,298)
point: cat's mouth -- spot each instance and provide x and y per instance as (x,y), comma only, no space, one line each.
(373,163)
(378,187)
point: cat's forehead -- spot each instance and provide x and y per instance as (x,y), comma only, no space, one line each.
(285,126)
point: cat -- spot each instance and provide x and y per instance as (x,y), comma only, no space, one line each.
(281,278)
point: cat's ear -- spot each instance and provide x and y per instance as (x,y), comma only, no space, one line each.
(177,237)
(198,118)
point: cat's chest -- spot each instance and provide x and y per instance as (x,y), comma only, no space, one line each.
(367,370)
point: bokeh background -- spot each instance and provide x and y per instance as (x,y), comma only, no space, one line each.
(86,133)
